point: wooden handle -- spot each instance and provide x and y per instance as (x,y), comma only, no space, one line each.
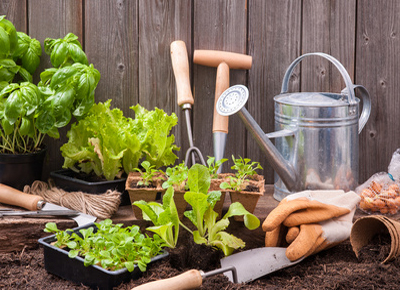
(220,123)
(12,196)
(215,57)
(180,65)
(188,280)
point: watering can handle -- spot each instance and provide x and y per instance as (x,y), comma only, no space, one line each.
(338,65)
(366,107)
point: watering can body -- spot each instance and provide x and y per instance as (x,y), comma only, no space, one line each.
(316,134)
(319,139)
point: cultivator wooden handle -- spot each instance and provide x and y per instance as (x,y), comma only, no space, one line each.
(12,196)
(188,280)
(180,65)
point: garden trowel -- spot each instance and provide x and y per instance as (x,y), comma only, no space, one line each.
(239,268)
(12,196)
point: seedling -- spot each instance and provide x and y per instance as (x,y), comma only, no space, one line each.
(112,247)
(214,166)
(176,177)
(149,174)
(244,169)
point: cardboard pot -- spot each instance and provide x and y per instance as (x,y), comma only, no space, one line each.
(249,199)
(146,194)
(365,228)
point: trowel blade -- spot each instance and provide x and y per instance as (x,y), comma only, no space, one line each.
(219,142)
(81,219)
(255,263)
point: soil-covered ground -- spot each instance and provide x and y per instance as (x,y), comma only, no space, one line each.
(336,268)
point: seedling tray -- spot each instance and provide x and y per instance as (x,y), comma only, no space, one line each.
(57,262)
(65,179)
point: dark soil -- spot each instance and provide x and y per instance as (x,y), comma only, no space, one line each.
(336,268)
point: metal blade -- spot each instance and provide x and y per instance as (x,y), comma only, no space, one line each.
(41,213)
(255,263)
(81,219)
(219,142)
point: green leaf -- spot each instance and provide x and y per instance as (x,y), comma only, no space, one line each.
(237,209)
(59,54)
(199,179)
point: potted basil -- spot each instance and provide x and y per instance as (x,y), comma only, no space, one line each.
(108,146)
(29,112)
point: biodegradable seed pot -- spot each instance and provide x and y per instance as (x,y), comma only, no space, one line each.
(141,192)
(250,195)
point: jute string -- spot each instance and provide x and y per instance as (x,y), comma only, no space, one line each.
(102,206)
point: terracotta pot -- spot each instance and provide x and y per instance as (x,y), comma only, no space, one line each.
(249,199)
(146,194)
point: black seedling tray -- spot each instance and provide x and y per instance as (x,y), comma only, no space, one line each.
(65,179)
(57,262)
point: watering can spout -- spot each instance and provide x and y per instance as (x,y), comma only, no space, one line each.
(232,101)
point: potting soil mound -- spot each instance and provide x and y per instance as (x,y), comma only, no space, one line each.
(336,268)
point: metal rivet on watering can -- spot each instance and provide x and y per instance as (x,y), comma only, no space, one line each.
(316,145)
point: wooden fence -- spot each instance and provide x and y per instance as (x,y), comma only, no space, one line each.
(128,42)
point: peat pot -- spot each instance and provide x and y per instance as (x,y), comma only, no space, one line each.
(316,137)
(18,170)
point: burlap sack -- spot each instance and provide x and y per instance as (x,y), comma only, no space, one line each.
(365,228)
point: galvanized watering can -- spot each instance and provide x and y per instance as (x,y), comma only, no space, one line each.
(316,137)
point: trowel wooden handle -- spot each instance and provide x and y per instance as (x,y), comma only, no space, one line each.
(188,280)
(12,196)
(180,65)
(214,57)
(221,123)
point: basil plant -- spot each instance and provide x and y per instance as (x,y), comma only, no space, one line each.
(29,112)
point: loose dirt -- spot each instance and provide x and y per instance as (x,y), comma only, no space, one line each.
(336,268)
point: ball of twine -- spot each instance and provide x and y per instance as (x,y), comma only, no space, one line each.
(102,206)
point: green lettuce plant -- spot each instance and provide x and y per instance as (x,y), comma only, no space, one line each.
(208,231)
(29,112)
(163,216)
(109,144)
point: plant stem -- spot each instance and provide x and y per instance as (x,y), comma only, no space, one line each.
(185,227)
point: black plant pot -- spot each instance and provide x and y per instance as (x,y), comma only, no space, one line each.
(70,181)
(18,170)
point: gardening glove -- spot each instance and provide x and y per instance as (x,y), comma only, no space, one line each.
(310,221)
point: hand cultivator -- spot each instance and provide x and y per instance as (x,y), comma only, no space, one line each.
(180,65)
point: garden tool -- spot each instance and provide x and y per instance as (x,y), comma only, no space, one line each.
(12,196)
(315,130)
(311,221)
(223,61)
(242,267)
(180,65)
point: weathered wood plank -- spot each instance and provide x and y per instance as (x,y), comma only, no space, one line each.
(15,11)
(328,26)
(111,35)
(218,25)
(161,23)
(377,69)
(274,41)
(55,19)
